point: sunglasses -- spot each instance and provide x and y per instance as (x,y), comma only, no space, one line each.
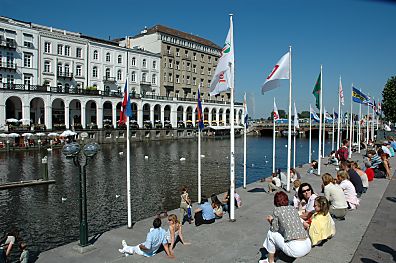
(306,190)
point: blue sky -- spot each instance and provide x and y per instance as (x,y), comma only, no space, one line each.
(351,38)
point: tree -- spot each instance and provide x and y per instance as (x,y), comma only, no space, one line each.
(304,115)
(389,99)
(282,114)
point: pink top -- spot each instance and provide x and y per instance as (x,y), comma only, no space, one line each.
(349,192)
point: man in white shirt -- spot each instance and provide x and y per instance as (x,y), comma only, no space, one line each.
(274,183)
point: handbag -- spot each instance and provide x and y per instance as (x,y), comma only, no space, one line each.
(189,213)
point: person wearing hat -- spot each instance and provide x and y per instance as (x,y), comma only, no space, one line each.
(385,147)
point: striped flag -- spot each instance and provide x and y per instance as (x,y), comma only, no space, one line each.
(126,109)
(341,93)
(201,125)
(246,111)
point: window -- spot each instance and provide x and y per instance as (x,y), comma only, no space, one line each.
(10,59)
(1,58)
(144,63)
(144,77)
(195,56)
(133,61)
(79,52)
(209,71)
(67,69)
(95,72)
(186,53)
(202,70)
(59,69)
(119,74)
(133,76)
(170,63)
(209,59)
(60,49)
(202,58)
(177,65)
(195,68)
(67,51)
(154,79)
(202,81)
(78,70)
(47,47)
(28,40)
(59,85)
(107,74)
(95,55)
(177,79)
(168,49)
(188,80)
(119,59)
(107,57)
(177,52)
(27,60)
(27,79)
(195,81)
(164,76)
(154,64)
(170,79)
(188,66)
(47,66)
(1,78)
(10,79)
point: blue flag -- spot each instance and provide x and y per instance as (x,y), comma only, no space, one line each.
(126,109)
(201,125)
(358,96)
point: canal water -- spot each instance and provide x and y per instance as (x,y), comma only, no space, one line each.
(47,216)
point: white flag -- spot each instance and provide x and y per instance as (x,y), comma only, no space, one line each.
(327,116)
(341,93)
(224,74)
(296,124)
(280,71)
(276,113)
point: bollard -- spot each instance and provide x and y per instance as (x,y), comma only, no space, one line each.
(44,161)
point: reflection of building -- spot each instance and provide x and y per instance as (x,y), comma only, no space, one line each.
(62,79)
(187,60)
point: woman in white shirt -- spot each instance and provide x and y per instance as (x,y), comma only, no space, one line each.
(335,195)
(349,189)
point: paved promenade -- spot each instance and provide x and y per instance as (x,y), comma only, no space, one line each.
(242,240)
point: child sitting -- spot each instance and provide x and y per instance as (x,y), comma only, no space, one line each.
(322,225)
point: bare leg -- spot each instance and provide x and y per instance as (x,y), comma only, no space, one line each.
(271,257)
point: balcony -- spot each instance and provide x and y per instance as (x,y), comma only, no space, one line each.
(9,66)
(109,79)
(63,74)
(145,83)
(9,43)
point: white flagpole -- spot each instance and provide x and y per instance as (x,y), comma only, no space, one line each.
(128,174)
(372,123)
(324,133)
(199,165)
(339,117)
(232,161)
(310,136)
(244,143)
(320,122)
(351,127)
(359,134)
(332,137)
(289,128)
(273,144)
(294,141)
(368,123)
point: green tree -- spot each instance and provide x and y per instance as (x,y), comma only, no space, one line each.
(282,114)
(304,115)
(389,99)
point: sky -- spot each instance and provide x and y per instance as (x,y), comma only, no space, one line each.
(354,39)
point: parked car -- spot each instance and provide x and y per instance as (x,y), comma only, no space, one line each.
(167,125)
(147,125)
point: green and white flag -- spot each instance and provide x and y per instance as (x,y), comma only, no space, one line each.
(224,74)
(316,92)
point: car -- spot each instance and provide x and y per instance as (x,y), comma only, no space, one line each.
(167,124)
(180,124)
(147,125)
(158,124)
(189,124)
(133,124)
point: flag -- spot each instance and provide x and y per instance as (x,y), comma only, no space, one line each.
(358,96)
(313,114)
(276,113)
(335,115)
(246,111)
(369,102)
(201,125)
(316,91)
(223,77)
(296,124)
(379,109)
(341,93)
(280,71)
(327,116)
(126,109)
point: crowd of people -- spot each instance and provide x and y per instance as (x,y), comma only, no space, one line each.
(309,219)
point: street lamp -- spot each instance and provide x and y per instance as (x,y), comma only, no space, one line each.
(73,150)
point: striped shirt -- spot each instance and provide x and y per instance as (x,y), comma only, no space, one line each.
(375,161)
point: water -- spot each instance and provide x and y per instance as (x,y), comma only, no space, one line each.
(47,216)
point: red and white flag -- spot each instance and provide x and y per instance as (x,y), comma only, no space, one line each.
(280,71)
(341,93)
(276,114)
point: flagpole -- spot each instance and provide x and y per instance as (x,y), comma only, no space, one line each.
(310,135)
(324,133)
(332,137)
(128,171)
(232,164)
(273,142)
(199,165)
(320,123)
(294,139)
(244,143)
(359,135)
(289,128)
(339,115)
(368,123)
(351,127)
(372,121)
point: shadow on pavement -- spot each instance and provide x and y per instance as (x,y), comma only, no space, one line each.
(392,199)
(367,260)
(95,238)
(257,190)
(386,249)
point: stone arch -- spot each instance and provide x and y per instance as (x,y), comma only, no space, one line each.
(108,112)
(91,112)
(134,111)
(214,111)
(157,112)
(146,112)
(167,112)
(189,112)
(75,113)
(57,112)
(227,120)
(206,114)
(180,113)
(13,107)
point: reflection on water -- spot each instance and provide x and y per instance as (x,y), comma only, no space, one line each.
(48,215)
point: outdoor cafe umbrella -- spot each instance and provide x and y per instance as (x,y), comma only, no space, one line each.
(53,134)
(3,135)
(25,121)
(40,134)
(68,133)
(13,135)
(27,134)
(12,120)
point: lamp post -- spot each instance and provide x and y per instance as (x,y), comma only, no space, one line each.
(73,150)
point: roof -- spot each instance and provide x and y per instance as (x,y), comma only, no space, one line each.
(177,33)
(103,41)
